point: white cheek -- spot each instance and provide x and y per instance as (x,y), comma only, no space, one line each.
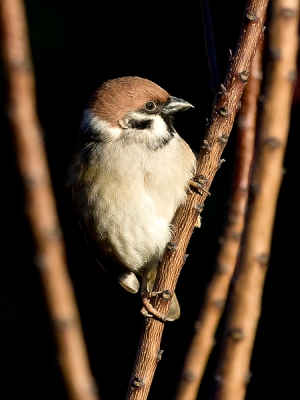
(90,121)
(158,126)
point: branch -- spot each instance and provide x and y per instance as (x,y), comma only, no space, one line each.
(246,294)
(209,162)
(216,293)
(40,203)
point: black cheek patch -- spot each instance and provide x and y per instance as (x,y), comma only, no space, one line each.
(140,125)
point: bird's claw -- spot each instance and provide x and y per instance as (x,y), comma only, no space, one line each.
(198,186)
(148,311)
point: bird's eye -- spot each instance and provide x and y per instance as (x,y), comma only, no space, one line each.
(150,106)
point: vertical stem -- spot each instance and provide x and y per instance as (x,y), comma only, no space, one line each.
(246,295)
(216,293)
(40,203)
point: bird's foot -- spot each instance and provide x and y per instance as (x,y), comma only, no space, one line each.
(198,186)
(149,311)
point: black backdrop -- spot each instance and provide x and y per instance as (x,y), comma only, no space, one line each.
(75,46)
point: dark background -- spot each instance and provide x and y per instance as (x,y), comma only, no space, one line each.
(76,45)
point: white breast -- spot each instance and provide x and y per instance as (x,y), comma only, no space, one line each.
(133,202)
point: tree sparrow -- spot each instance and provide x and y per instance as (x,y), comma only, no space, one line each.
(129,176)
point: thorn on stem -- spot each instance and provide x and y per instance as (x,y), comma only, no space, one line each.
(171,246)
(248,377)
(219,380)
(272,142)
(185,258)
(274,54)
(232,219)
(287,13)
(31,181)
(220,162)
(236,334)
(65,323)
(224,112)
(206,145)
(189,376)
(254,188)
(201,179)
(159,355)
(137,383)
(221,240)
(236,236)
(244,75)
(243,189)
(199,208)
(292,76)
(197,326)
(198,222)
(221,269)
(283,171)
(24,64)
(251,15)
(263,259)
(219,303)
(261,99)
(40,261)
(224,138)
(166,295)
(223,89)
(53,233)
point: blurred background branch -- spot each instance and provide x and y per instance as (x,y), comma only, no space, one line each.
(39,203)
(216,293)
(244,308)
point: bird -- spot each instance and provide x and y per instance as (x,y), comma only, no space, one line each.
(129,175)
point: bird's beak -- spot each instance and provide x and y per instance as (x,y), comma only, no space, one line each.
(176,105)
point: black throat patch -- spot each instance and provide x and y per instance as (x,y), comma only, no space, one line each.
(146,124)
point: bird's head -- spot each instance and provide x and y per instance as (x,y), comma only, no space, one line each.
(131,108)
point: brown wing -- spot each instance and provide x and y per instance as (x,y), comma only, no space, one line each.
(126,278)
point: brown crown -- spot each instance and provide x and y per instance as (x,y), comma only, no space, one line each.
(116,97)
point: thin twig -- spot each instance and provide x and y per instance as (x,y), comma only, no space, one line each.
(40,203)
(209,162)
(214,81)
(247,287)
(216,293)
